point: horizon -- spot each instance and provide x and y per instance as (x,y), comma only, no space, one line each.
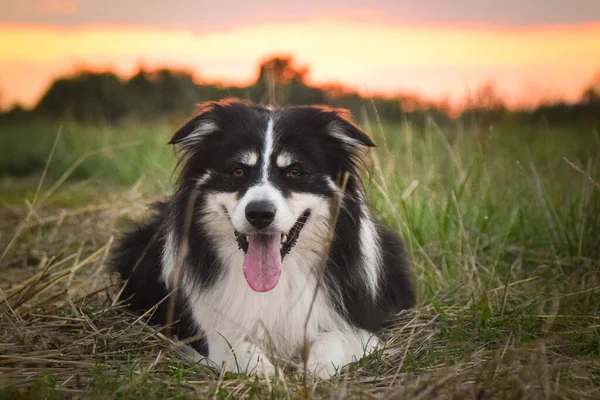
(532,55)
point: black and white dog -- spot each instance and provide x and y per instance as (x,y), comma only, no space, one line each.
(251,215)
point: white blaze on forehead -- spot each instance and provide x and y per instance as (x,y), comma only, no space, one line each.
(284,159)
(249,158)
(268,149)
(264,191)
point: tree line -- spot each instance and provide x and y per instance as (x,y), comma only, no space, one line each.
(104,97)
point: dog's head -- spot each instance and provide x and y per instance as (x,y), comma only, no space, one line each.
(266,175)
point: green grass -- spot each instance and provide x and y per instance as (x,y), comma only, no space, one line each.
(502,227)
(118,156)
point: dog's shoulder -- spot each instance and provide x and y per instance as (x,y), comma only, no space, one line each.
(138,238)
(136,258)
(397,291)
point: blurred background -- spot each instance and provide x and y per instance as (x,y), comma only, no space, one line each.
(71,58)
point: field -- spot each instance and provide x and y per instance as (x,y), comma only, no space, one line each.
(502,224)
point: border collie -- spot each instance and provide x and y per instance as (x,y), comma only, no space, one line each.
(261,234)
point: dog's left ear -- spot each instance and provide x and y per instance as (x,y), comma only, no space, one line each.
(196,128)
(343,129)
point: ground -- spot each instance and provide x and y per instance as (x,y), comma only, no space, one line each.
(502,225)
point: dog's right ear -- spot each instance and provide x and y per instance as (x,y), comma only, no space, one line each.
(196,128)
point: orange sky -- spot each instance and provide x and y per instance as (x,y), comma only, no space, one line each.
(370,54)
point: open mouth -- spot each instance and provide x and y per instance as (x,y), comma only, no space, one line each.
(288,241)
(264,252)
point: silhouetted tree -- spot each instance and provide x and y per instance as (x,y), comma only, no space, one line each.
(591,95)
(175,91)
(485,106)
(88,96)
(103,97)
(14,113)
(141,93)
(586,112)
(487,98)
(280,80)
(281,70)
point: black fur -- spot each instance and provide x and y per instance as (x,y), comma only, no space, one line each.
(303,130)
(137,258)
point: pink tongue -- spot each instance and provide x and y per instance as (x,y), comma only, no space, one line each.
(262,262)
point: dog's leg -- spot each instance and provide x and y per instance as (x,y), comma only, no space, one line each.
(240,357)
(330,351)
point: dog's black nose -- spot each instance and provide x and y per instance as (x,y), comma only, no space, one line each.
(260,213)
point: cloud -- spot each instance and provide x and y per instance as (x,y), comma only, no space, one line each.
(47,8)
(66,7)
(205,16)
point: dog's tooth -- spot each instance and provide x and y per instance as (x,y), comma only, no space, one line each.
(283,238)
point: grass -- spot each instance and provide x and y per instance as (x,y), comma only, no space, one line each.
(502,225)
(85,152)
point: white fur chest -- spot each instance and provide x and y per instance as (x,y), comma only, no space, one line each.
(274,320)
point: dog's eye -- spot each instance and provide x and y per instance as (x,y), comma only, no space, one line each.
(293,173)
(238,172)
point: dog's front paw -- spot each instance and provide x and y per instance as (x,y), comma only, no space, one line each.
(326,356)
(331,351)
(250,359)
(264,368)
(321,369)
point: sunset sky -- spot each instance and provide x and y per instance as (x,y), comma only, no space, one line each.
(534,50)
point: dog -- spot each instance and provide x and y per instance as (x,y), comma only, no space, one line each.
(267,250)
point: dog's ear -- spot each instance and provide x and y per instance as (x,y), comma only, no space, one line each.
(202,123)
(343,129)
